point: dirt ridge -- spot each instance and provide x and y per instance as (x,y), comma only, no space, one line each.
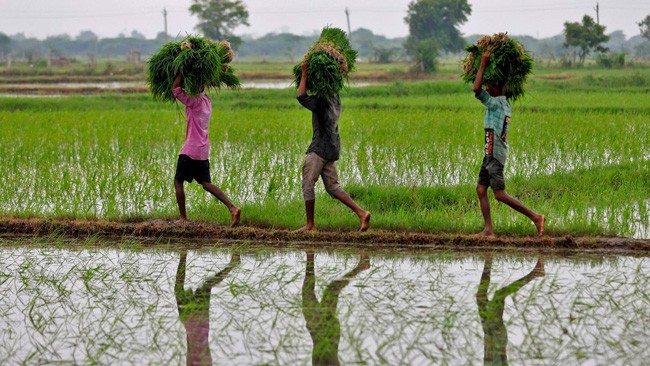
(374,239)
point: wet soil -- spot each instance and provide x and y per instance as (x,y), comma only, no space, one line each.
(207,234)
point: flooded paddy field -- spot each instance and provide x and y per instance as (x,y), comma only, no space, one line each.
(410,155)
(151,301)
(94,270)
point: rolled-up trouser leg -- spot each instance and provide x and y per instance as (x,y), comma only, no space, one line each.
(311,170)
(331,179)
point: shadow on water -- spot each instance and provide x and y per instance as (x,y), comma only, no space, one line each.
(194,310)
(322,323)
(495,334)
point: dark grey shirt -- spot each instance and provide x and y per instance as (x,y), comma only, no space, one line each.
(325,114)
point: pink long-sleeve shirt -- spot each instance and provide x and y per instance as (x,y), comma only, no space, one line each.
(197,111)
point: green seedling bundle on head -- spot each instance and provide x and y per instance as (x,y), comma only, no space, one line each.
(331,59)
(202,62)
(509,66)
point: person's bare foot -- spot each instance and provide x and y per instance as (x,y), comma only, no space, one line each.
(539,223)
(235,212)
(306,228)
(485,234)
(365,221)
(181,221)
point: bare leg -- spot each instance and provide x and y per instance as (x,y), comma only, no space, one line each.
(481,190)
(235,211)
(537,219)
(364,216)
(309,210)
(180,199)
(539,270)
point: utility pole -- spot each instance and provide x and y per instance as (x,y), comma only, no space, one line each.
(165,17)
(347,15)
(597,9)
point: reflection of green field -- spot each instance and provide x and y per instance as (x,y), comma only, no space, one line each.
(95,301)
(411,152)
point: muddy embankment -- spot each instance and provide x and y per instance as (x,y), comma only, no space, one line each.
(204,233)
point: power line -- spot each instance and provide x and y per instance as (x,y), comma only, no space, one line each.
(81,15)
(152,11)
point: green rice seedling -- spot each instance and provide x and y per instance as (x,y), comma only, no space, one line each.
(509,64)
(203,63)
(411,157)
(161,72)
(331,59)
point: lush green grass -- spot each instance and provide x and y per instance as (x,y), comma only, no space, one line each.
(410,154)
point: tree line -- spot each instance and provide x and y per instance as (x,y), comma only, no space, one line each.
(433,34)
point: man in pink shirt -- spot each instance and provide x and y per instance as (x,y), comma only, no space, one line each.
(193,159)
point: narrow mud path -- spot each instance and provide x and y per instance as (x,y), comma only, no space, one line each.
(209,233)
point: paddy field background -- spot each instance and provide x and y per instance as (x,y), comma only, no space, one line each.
(411,150)
(579,153)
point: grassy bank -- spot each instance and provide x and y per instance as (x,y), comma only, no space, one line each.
(411,153)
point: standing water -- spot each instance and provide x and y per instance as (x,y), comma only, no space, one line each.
(82,302)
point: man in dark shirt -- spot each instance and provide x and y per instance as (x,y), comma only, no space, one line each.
(323,153)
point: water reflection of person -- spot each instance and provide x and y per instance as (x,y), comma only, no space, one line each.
(194,310)
(322,323)
(495,334)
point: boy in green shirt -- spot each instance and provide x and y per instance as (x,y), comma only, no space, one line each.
(497,119)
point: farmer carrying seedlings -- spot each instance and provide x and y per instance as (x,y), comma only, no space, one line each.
(204,64)
(193,159)
(323,152)
(496,121)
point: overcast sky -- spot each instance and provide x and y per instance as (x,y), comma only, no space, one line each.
(109,18)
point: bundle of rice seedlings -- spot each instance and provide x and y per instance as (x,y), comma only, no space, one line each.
(331,59)
(202,62)
(509,64)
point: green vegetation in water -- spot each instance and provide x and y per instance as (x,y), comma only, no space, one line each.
(102,302)
(410,154)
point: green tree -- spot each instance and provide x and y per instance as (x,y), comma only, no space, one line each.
(586,36)
(433,28)
(217,18)
(5,45)
(644,26)
(384,55)
(58,44)
(86,36)
(137,35)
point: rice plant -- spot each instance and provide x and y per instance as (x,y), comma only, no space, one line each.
(509,65)
(202,62)
(410,153)
(331,59)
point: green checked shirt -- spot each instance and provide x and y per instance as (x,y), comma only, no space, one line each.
(497,118)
